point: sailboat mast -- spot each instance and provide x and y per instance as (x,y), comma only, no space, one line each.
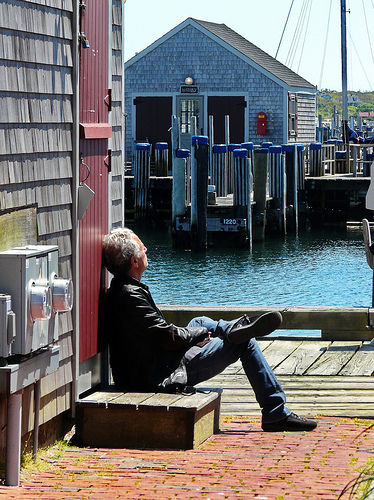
(343,24)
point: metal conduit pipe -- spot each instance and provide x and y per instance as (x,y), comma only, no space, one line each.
(13,439)
(37,394)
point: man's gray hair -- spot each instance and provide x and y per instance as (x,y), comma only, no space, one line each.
(118,247)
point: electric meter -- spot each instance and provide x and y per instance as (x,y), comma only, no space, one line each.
(37,299)
(40,302)
(62,294)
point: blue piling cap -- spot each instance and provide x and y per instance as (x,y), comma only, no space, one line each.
(275,150)
(332,141)
(143,146)
(248,146)
(161,145)
(266,144)
(263,151)
(219,148)
(315,146)
(240,153)
(234,146)
(183,153)
(200,139)
(341,155)
(290,148)
(370,156)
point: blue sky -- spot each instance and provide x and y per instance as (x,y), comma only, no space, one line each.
(310,47)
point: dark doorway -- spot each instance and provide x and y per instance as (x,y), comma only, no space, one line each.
(233,106)
(153,119)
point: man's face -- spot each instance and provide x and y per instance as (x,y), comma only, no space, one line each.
(142,259)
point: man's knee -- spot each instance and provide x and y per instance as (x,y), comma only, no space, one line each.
(201,321)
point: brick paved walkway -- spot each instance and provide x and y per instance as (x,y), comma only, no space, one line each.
(241,462)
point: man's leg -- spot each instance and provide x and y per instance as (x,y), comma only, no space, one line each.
(220,353)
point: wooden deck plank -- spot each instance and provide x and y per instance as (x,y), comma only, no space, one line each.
(278,351)
(336,357)
(131,398)
(292,381)
(102,397)
(306,354)
(160,400)
(362,362)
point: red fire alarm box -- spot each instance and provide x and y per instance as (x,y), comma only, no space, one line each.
(261,123)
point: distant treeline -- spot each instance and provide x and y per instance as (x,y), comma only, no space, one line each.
(357,102)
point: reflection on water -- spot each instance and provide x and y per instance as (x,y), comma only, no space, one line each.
(315,269)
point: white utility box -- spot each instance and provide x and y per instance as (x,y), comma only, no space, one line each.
(30,276)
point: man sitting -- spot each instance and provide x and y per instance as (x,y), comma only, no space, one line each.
(147,353)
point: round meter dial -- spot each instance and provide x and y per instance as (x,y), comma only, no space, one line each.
(62,294)
(40,302)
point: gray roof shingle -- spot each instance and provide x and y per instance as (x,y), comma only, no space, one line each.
(255,54)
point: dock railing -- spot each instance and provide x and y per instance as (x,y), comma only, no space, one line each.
(334,323)
(333,160)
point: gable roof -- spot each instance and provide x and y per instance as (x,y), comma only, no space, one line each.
(255,54)
(237,43)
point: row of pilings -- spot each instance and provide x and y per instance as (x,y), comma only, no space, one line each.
(238,189)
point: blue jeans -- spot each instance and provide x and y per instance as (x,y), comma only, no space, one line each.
(219,353)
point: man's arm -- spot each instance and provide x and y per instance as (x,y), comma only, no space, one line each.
(148,322)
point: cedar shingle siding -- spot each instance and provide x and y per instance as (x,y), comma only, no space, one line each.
(37,166)
(36,137)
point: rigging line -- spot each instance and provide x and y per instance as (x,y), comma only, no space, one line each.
(284,29)
(325,47)
(359,60)
(305,33)
(367,31)
(293,41)
(296,37)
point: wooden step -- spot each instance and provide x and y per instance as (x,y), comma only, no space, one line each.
(112,419)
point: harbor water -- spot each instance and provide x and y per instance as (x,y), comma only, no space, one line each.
(325,268)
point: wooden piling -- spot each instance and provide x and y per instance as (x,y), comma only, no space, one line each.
(259,193)
(199,192)
(219,169)
(295,191)
(161,159)
(141,180)
(277,189)
(242,187)
(316,168)
(180,195)
(230,165)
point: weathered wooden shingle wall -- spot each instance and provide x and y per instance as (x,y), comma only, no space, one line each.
(306,113)
(36,124)
(117,178)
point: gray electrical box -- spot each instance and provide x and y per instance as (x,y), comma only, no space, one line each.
(30,276)
(7,326)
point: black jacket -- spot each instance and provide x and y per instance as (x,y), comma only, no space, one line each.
(145,351)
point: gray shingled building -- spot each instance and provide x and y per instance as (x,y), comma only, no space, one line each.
(206,69)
